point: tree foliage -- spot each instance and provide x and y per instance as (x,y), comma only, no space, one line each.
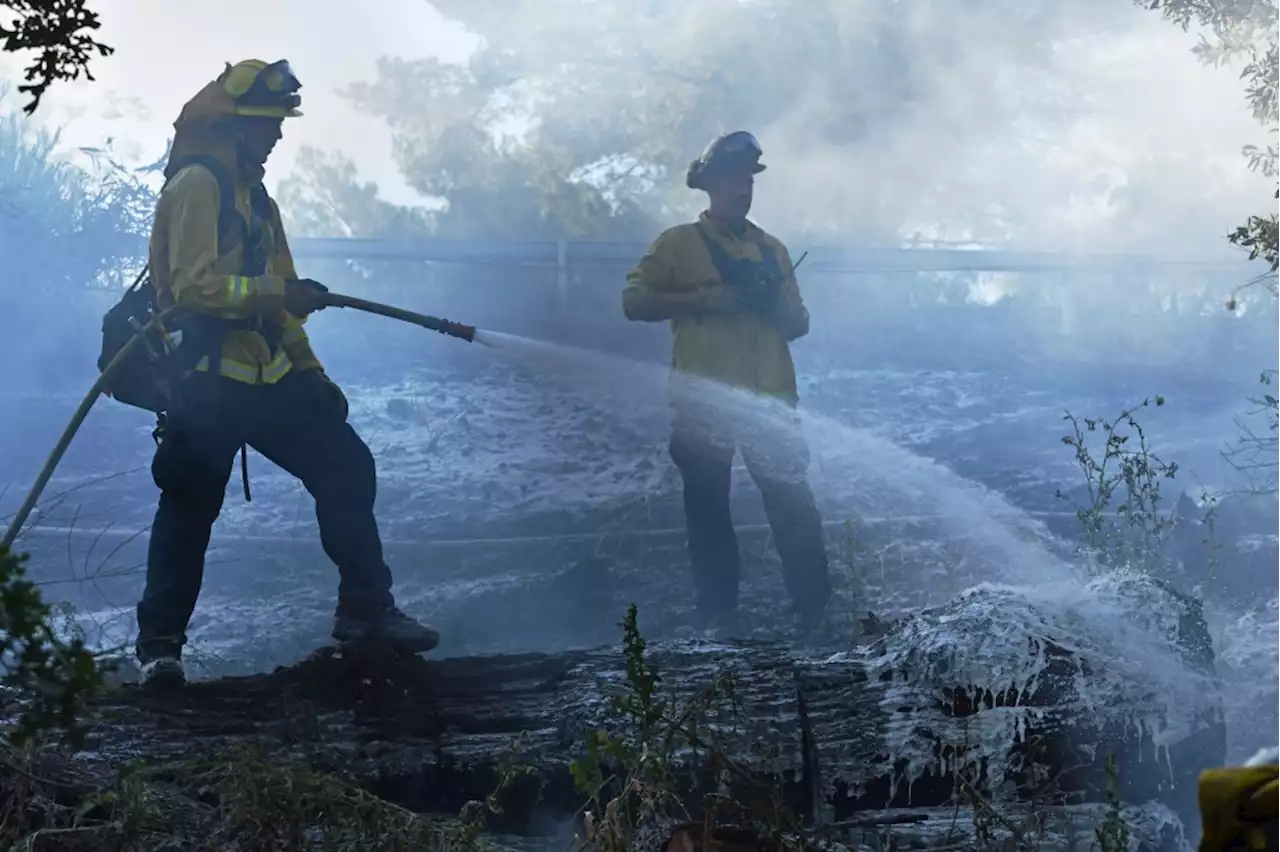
(576,119)
(1242,30)
(60,232)
(61,226)
(61,32)
(1245,30)
(50,676)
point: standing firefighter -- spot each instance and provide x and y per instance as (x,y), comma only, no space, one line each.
(730,293)
(218,252)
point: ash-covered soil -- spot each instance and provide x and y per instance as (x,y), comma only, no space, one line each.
(524,510)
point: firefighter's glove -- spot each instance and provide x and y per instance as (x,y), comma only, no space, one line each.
(303,296)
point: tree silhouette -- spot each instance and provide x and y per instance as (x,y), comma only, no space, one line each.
(61,32)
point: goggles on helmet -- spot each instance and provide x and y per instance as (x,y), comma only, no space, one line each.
(275,86)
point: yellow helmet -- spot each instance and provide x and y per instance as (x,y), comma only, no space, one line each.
(259,88)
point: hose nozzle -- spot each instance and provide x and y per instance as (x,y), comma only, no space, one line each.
(443,326)
(456,329)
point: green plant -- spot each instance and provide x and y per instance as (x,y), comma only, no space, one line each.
(1254,453)
(1122,517)
(668,761)
(1112,834)
(631,764)
(50,676)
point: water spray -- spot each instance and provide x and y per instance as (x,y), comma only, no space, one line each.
(99,387)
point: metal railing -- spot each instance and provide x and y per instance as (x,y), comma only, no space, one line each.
(612,255)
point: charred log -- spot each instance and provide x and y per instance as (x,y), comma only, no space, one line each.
(905,722)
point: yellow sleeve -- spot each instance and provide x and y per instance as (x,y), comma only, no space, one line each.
(794,315)
(1237,807)
(648,296)
(298,346)
(293,337)
(189,207)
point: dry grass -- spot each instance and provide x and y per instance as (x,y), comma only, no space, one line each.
(243,801)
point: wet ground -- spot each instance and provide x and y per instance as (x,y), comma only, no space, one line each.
(525,513)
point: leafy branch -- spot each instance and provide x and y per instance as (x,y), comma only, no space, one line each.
(666,766)
(1256,452)
(1122,480)
(50,677)
(62,32)
(1242,29)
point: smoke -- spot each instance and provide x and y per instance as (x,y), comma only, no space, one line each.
(164,53)
(1088,126)
(1115,139)
(1061,126)
(1066,127)
(1085,126)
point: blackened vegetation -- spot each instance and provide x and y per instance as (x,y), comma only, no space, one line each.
(61,33)
(621,749)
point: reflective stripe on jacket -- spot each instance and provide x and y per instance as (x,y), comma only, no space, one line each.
(189,269)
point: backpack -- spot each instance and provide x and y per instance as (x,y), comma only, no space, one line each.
(148,372)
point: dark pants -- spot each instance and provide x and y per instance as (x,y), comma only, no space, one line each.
(297,424)
(778,464)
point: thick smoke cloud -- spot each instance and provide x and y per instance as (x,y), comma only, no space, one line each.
(1082,127)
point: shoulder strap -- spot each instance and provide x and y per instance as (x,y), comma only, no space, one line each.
(261,219)
(260,201)
(724,262)
(229,219)
(769,256)
(720,258)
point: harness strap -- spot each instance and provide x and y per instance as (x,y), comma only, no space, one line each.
(244,472)
(727,265)
(209,333)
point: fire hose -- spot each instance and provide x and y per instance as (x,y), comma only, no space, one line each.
(443,326)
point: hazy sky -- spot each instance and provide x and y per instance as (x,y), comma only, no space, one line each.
(165,51)
(1137,89)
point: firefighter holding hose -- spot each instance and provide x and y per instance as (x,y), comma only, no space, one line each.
(218,252)
(730,293)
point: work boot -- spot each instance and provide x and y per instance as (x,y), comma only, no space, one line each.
(163,673)
(390,626)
